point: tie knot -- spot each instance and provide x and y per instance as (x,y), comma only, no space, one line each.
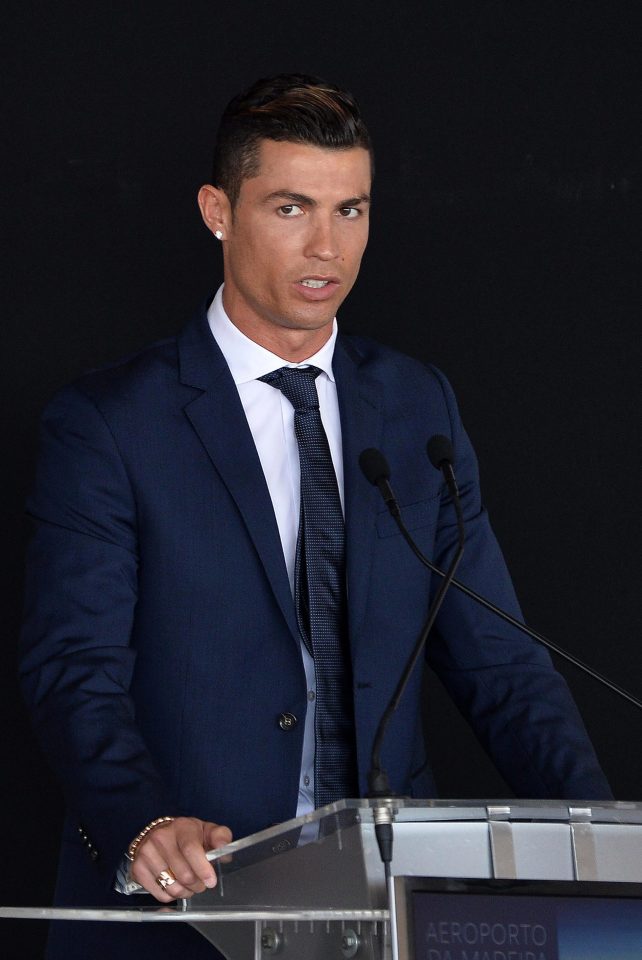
(297,384)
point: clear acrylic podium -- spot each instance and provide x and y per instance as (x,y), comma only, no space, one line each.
(314,888)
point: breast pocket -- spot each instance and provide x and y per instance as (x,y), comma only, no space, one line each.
(414,515)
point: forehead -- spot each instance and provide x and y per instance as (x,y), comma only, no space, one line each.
(314,171)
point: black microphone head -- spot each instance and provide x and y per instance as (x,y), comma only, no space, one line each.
(440,450)
(374,465)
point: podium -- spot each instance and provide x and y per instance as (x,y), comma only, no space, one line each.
(314,888)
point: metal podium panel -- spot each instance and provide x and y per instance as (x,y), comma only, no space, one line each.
(446,849)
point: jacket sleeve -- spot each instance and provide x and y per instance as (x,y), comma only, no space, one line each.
(76,659)
(502,681)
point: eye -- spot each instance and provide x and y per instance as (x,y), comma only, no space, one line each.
(290,210)
(350,213)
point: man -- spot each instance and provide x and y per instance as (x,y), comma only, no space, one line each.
(175,612)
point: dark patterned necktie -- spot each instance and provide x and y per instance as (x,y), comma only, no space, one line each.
(320,589)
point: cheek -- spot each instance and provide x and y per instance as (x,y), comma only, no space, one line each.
(260,270)
(275,259)
(356,241)
(356,253)
(247,259)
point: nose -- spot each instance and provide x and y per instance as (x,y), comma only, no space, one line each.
(322,242)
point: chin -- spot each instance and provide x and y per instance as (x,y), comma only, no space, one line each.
(307,319)
(312,323)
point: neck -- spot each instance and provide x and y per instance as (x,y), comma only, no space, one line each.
(293,344)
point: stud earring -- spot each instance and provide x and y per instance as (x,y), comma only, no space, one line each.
(219,234)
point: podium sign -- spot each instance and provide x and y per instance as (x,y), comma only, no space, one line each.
(518,920)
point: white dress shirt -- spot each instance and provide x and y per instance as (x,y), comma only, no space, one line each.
(270,417)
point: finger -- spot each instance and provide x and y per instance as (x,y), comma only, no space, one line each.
(148,879)
(215,835)
(194,869)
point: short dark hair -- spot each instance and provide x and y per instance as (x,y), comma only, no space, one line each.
(289,107)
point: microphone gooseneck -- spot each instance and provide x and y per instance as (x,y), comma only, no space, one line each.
(376,470)
(436,450)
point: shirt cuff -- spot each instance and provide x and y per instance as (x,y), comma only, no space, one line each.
(123,882)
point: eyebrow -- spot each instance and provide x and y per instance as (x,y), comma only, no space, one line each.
(310,202)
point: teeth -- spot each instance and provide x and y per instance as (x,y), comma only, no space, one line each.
(315,283)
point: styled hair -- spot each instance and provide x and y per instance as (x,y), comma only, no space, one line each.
(290,107)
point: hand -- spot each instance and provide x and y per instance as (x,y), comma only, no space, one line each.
(180,848)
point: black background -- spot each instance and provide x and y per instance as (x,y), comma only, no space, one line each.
(504,248)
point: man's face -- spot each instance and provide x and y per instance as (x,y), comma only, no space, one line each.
(293,245)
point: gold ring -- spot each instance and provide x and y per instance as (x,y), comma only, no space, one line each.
(165,878)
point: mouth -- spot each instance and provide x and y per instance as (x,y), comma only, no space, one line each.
(317,288)
(314,284)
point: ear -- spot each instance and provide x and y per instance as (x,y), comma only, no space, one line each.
(215,209)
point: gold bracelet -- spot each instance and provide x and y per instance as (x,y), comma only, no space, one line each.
(136,842)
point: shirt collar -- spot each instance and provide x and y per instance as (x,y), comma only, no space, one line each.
(248,360)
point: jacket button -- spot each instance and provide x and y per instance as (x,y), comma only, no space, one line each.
(287,721)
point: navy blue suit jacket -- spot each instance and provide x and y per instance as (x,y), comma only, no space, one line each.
(160,642)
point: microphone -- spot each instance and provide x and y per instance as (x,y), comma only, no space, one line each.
(440,454)
(438,451)
(376,470)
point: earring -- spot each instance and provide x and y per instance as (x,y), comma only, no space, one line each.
(219,234)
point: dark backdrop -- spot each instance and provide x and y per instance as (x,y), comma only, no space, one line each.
(504,249)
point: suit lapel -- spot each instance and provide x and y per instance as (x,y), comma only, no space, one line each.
(218,418)
(360,403)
